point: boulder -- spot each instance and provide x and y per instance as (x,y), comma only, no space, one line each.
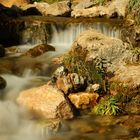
(39,50)
(113,9)
(103,50)
(2,83)
(83,100)
(56,9)
(2,51)
(46,101)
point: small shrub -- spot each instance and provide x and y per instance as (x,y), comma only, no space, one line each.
(107,106)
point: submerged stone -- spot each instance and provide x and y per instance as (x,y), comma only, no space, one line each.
(39,50)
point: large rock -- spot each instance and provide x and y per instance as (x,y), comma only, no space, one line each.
(83,100)
(56,9)
(113,9)
(116,59)
(98,47)
(46,101)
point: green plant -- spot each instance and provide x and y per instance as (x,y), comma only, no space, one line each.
(107,106)
(134,9)
(75,63)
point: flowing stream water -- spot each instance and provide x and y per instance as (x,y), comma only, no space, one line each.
(25,72)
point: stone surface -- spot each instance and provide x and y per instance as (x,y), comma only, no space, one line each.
(83,100)
(46,101)
(70,83)
(9,3)
(83,5)
(2,83)
(2,51)
(39,50)
(126,79)
(93,87)
(56,9)
(99,47)
(113,9)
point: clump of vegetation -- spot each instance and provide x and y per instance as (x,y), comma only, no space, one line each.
(75,63)
(107,106)
(134,9)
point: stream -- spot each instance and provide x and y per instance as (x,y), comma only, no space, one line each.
(26,72)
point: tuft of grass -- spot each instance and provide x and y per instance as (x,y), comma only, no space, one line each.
(75,63)
(107,106)
(134,9)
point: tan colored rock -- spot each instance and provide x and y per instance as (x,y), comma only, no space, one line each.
(99,46)
(70,83)
(83,4)
(83,99)
(55,9)
(64,84)
(9,3)
(39,50)
(45,101)
(127,79)
(113,9)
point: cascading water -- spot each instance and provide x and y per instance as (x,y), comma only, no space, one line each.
(62,36)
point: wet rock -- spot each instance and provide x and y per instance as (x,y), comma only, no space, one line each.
(2,83)
(39,50)
(52,125)
(70,83)
(83,100)
(2,51)
(56,9)
(113,9)
(46,101)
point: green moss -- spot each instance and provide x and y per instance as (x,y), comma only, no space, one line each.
(107,106)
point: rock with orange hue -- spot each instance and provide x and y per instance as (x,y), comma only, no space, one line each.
(64,84)
(39,50)
(46,101)
(83,100)
(113,9)
(9,3)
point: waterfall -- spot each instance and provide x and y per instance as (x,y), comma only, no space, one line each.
(62,36)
